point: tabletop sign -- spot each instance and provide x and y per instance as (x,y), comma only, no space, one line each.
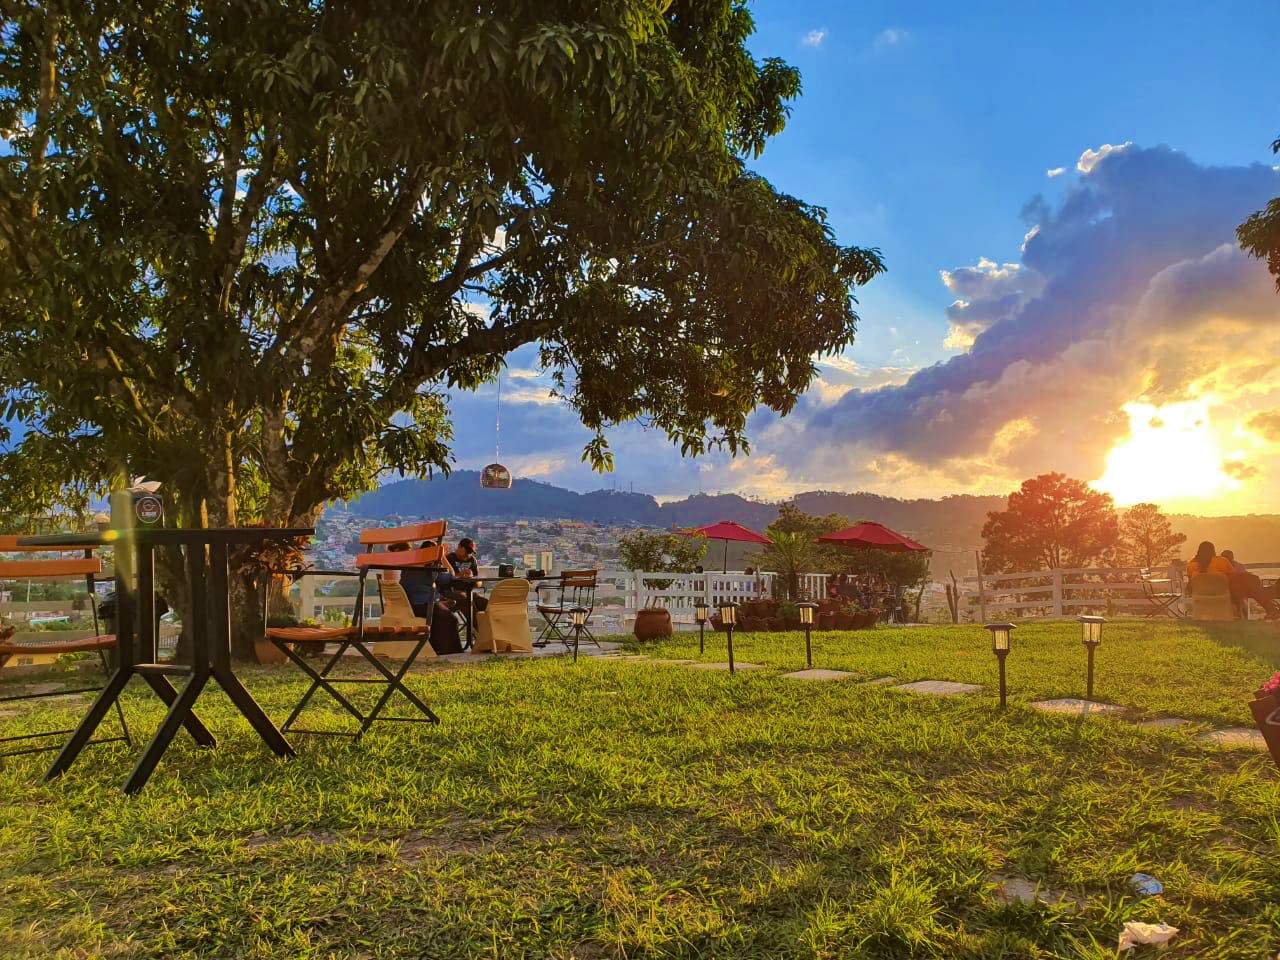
(148,509)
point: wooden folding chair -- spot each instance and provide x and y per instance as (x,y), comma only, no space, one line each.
(362,637)
(577,588)
(87,566)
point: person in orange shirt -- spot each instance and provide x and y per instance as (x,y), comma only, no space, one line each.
(1207,560)
(1243,585)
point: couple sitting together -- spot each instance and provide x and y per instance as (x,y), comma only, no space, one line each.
(1242,584)
(437,592)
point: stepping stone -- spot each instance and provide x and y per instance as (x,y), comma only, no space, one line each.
(1077,707)
(1235,738)
(1163,723)
(38,688)
(939,688)
(725,666)
(1011,889)
(818,673)
(677,663)
(878,682)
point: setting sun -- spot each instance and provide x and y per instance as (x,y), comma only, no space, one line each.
(1171,455)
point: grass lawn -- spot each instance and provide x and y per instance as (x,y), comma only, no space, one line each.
(629,809)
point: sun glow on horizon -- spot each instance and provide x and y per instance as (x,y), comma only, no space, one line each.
(1171,456)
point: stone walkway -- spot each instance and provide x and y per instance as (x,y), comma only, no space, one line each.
(1072,705)
(818,673)
(939,688)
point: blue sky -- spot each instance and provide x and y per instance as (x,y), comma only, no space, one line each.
(929,130)
(924,128)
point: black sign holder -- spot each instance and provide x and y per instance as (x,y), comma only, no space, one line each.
(209,606)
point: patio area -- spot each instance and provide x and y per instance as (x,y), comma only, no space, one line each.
(630,806)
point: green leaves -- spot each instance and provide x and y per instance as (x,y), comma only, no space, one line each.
(290,241)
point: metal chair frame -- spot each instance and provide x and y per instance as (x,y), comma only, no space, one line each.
(359,636)
(576,588)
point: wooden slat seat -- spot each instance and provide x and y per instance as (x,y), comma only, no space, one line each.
(380,536)
(423,557)
(9,544)
(35,569)
(309,634)
(9,648)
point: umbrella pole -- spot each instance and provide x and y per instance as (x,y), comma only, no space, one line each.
(726,556)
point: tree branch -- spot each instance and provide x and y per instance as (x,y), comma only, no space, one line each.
(304,334)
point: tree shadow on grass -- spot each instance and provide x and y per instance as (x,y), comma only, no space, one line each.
(1261,640)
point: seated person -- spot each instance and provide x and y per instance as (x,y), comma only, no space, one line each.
(1242,584)
(466,575)
(394,575)
(421,584)
(1230,557)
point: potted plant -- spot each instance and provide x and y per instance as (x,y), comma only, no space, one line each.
(1265,708)
(864,619)
(846,616)
(644,552)
(789,615)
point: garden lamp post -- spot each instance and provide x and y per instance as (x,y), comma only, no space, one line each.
(1000,647)
(1091,634)
(729,617)
(701,611)
(579,617)
(806,618)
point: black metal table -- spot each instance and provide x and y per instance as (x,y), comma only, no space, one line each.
(209,604)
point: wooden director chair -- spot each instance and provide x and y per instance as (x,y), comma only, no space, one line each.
(87,566)
(412,636)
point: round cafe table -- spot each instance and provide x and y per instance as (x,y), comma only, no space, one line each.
(209,616)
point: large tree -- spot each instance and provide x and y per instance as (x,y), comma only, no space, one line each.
(1146,536)
(1260,234)
(248,248)
(1052,521)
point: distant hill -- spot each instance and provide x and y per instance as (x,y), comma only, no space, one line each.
(952,526)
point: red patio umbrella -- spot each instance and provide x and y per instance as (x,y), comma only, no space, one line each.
(873,536)
(727,530)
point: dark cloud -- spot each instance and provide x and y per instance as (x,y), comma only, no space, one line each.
(1267,425)
(1142,245)
(1239,469)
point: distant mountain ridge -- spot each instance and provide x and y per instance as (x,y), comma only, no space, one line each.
(460,495)
(952,525)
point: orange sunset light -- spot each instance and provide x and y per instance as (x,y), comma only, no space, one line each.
(1173,456)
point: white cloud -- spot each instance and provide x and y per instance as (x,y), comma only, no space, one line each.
(1056,172)
(1091,158)
(892,37)
(814,38)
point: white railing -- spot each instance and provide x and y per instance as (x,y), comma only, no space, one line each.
(679,592)
(1069,592)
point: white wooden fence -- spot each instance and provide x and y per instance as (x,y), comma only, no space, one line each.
(1069,592)
(676,592)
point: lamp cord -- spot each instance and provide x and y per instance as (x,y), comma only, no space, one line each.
(497,423)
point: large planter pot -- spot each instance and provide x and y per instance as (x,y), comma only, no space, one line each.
(861,621)
(844,621)
(1266,714)
(825,621)
(760,609)
(652,624)
(264,651)
(751,624)
(792,623)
